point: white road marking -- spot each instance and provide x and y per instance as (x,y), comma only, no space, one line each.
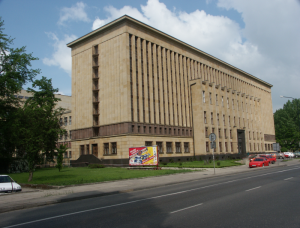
(252,188)
(288,178)
(186,208)
(150,198)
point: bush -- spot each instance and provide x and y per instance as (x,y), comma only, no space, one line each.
(284,149)
(96,166)
(180,164)
(164,163)
(218,163)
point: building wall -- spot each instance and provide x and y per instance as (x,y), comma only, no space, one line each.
(144,84)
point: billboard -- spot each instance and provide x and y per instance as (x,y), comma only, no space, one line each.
(144,155)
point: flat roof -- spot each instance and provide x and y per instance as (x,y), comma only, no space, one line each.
(126,17)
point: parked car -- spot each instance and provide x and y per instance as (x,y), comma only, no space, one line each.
(265,156)
(7,184)
(251,157)
(297,154)
(288,154)
(281,155)
(271,158)
(259,162)
(276,154)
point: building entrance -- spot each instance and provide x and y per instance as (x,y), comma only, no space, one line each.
(95,149)
(241,142)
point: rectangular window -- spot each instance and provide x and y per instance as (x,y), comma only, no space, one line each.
(65,154)
(106,148)
(213,130)
(70,154)
(222,101)
(227,102)
(70,120)
(224,120)
(232,103)
(225,133)
(60,122)
(60,136)
(230,134)
(205,120)
(226,148)
(216,99)
(144,129)
(87,149)
(186,147)
(220,133)
(178,149)
(207,147)
(231,146)
(66,121)
(220,146)
(237,105)
(228,120)
(169,147)
(203,96)
(114,148)
(70,134)
(218,119)
(206,132)
(159,147)
(210,101)
(148,143)
(66,135)
(212,118)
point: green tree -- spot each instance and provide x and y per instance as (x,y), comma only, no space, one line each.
(61,150)
(39,124)
(15,72)
(287,125)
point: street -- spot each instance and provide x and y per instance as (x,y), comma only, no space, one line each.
(265,198)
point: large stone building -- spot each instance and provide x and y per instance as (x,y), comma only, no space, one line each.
(134,85)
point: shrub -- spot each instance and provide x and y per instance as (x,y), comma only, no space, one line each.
(218,163)
(96,166)
(180,164)
(210,161)
(164,163)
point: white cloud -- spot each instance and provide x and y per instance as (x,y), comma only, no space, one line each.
(76,13)
(62,54)
(266,47)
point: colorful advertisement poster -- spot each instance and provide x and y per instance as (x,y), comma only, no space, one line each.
(145,155)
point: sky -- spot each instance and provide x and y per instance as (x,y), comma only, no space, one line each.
(261,37)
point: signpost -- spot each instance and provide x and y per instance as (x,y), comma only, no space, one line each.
(212,138)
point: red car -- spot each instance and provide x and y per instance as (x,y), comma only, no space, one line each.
(271,158)
(259,162)
(265,156)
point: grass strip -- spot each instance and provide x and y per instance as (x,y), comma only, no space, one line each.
(202,164)
(83,175)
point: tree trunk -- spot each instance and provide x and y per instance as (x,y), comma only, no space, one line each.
(30,176)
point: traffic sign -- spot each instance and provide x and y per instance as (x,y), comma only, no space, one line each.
(212,137)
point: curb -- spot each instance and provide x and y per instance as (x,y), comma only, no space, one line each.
(20,207)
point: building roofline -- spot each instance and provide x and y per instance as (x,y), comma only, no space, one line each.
(126,17)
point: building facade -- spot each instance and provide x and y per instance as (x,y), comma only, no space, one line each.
(133,85)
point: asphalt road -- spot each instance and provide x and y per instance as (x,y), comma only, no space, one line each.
(266,198)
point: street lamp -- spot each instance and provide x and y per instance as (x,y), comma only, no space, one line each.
(297,108)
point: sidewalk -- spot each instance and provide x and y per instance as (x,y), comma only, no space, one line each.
(29,198)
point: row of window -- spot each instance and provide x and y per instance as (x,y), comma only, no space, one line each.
(255,146)
(228,106)
(65,136)
(170,147)
(250,123)
(64,121)
(160,130)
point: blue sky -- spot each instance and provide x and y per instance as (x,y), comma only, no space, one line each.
(259,37)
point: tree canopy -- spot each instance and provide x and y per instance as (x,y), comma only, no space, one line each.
(287,125)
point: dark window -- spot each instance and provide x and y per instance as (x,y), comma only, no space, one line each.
(70,120)
(207,147)
(114,148)
(106,148)
(87,149)
(186,147)
(169,147)
(66,121)
(159,147)
(148,143)
(178,147)
(81,149)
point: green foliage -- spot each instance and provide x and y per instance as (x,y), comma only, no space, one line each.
(180,163)
(15,72)
(39,124)
(287,125)
(95,166)
(60,153)
(284,149)
(171,160)
(164,163)
(218,163)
